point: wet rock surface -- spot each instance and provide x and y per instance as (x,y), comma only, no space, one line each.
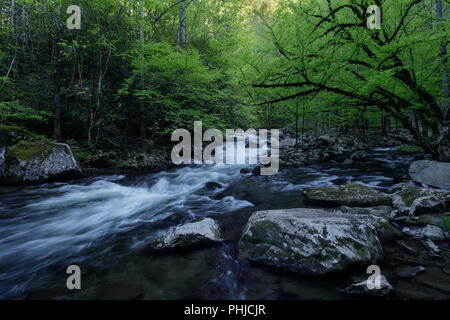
(431,173)
(309,241)
(36,162)
(191,235)
(362,288)
(347,195)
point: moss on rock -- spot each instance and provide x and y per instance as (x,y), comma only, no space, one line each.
(26,150)
(353,195)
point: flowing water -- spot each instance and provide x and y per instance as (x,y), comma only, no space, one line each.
(104,225)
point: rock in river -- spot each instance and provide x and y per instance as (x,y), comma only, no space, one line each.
(197,233)
(414,200)
(431,173)
(36,162)
(362,288)
(309,241)
(353,195)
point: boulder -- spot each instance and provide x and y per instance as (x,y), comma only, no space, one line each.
(362,288)
(359,155)
(309,241)
(36,162)
(347,162)
(213,185)
(380,211)
(287,143)
(327,140)
(198,233)
(414,200)
(353,195)
(433,233)
(431,173)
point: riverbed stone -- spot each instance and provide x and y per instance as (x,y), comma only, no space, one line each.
(431,173)
(202,232)
(362,289)
(406,272)
(309,241)
(353,195)
(36,162)
(381,211)
(433,233)
(415,200)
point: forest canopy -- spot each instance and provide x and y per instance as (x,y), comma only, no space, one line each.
(138,69)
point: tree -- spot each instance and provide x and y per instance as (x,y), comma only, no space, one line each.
(336,57)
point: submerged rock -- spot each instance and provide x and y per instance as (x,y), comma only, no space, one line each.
(309,241)
(362,288)
(197,233)
(37,161)
(213,185)
(406,272)
(353,195)
(431,173)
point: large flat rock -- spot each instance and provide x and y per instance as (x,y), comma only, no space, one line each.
(432,173)
(353,195)
(309,241)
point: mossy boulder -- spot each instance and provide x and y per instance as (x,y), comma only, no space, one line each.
(198,233)
(415,200)
(353,195)
(309,241)
(438,220)
(380,211)
(30,162)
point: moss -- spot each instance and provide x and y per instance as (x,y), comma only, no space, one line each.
(445,224)
(440,221)
(353,195)
(409,195)
(80,154)
(26,150)
(408,149)
(4,127)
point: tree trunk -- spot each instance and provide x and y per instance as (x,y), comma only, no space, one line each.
(143,124)
(443,55)
(181,37)
(56,81)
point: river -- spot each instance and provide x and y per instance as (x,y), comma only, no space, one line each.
(104,225)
